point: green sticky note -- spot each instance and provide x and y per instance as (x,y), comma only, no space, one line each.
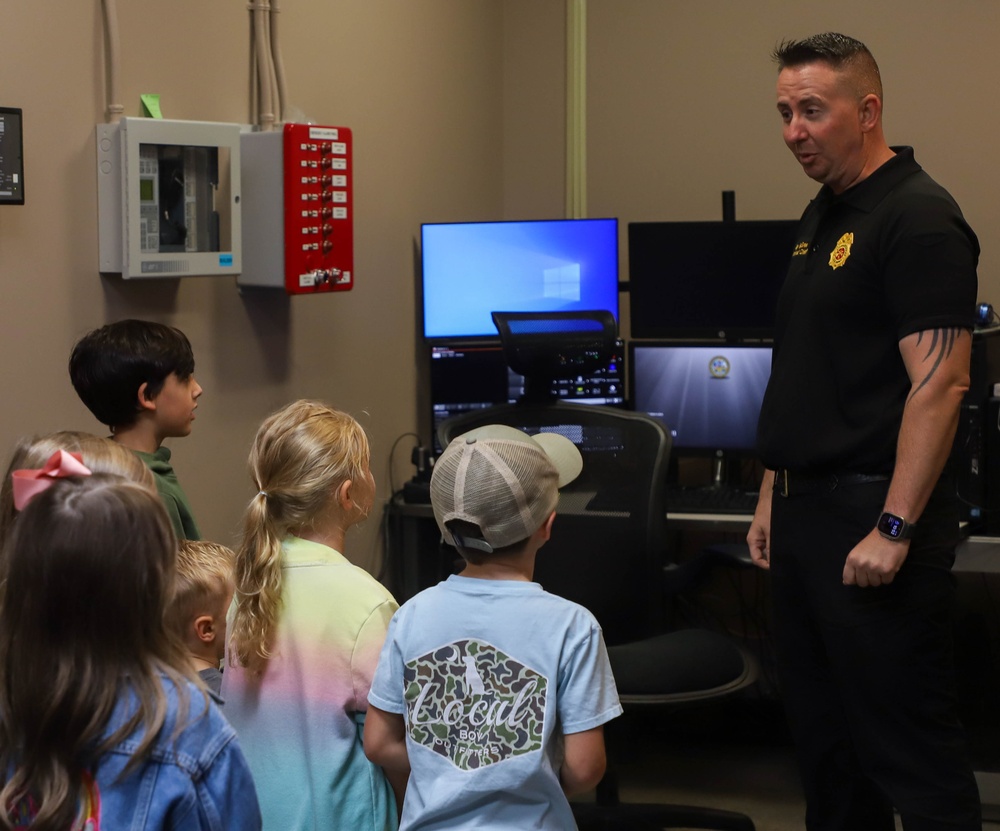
(151,105)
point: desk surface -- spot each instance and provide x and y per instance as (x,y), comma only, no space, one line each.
(720,522)
(577,502)
(978,554)
(974,554)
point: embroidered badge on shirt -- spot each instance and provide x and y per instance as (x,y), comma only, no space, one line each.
(801,249)
(842,251)
(472,704)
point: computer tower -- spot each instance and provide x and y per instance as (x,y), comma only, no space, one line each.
(976,451)
(991,434)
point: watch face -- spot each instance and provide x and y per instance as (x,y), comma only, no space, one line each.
(891,525)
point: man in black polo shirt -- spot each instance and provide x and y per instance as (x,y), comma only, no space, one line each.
(856,520)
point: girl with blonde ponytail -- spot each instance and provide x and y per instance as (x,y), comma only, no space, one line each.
(307,626)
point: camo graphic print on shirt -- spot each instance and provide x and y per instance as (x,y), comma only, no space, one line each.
(474,705)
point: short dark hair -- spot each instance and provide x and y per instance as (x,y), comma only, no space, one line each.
(108,365)
(837,50)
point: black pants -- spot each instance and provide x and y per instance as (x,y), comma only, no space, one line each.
(867,674)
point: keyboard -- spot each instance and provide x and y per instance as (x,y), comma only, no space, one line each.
(709,499)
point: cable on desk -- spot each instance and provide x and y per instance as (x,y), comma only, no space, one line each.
(393,490)
(384,531)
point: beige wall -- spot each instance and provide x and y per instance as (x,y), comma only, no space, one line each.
(534,109)
(681,104)
(419,83)
(457,110)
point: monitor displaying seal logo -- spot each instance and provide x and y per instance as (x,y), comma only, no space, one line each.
(719,366)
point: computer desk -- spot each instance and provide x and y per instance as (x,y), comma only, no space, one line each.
(974,554)
(977,566)
(724,523)
(416,560)
(978,555)
(413,538)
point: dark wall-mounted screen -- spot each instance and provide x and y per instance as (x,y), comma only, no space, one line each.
(11,157)
(471,269)
(707,279)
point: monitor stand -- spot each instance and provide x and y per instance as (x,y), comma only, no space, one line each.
(719,470)
(725,471)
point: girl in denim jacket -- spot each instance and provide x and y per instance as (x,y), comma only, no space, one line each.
(103,725)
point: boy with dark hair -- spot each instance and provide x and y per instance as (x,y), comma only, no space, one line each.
(491,692)
(137,377)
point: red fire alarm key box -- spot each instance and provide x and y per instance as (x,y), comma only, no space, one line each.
(298,211)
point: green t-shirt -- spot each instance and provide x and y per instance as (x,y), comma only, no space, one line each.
(173,497)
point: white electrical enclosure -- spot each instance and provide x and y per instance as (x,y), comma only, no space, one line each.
(168,197)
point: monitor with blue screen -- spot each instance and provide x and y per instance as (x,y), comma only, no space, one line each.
(471,269)
(708,395)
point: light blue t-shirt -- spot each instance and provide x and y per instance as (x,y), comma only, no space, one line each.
(488,675)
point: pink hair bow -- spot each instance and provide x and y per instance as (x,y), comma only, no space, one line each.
(29,483)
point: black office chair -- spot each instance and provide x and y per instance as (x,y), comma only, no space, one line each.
(607,552)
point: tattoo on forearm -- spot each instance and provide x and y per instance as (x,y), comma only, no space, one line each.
(942,342)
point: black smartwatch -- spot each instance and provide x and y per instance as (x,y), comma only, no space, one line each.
(894,527)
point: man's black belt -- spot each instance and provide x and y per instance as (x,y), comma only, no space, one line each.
(790,483)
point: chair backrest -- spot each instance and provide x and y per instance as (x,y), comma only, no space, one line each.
(607,549)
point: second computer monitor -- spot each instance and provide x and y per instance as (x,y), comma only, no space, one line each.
(474,377)
(708,395)
(717,280)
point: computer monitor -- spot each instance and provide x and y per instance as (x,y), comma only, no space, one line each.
(708,395)
(11,157)
(473,377)
(471,269)
(707,279)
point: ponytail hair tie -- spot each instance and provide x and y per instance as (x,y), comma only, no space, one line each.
(27,484)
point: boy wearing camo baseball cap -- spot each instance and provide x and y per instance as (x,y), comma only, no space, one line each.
(487,685)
